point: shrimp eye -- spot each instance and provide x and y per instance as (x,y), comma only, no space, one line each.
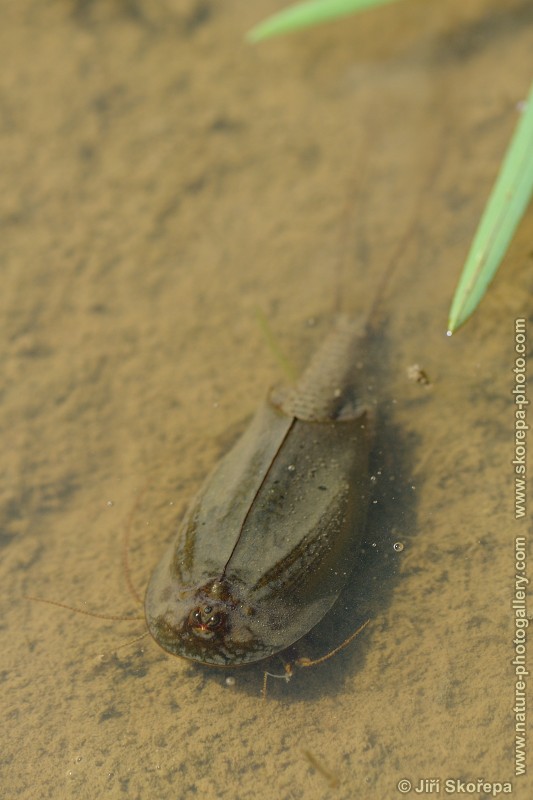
(215,620)
(204,621)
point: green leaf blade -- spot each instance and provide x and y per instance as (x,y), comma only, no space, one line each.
(507,203)
(304,15)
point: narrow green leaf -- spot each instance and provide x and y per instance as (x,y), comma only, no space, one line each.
(506,205)
(304,15)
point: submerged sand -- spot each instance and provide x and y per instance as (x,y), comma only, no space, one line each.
(163,181)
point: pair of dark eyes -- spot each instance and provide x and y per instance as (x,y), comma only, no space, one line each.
(206,617)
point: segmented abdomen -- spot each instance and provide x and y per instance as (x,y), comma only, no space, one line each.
(320,394)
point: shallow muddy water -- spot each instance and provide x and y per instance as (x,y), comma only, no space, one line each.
(164,182)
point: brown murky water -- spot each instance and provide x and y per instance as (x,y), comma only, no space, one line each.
(161,182)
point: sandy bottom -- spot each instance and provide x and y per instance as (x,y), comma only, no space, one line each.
(162,182)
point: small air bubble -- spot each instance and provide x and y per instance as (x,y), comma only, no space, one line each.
(291,467)
(398,546)
(110,503)
(230,680)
